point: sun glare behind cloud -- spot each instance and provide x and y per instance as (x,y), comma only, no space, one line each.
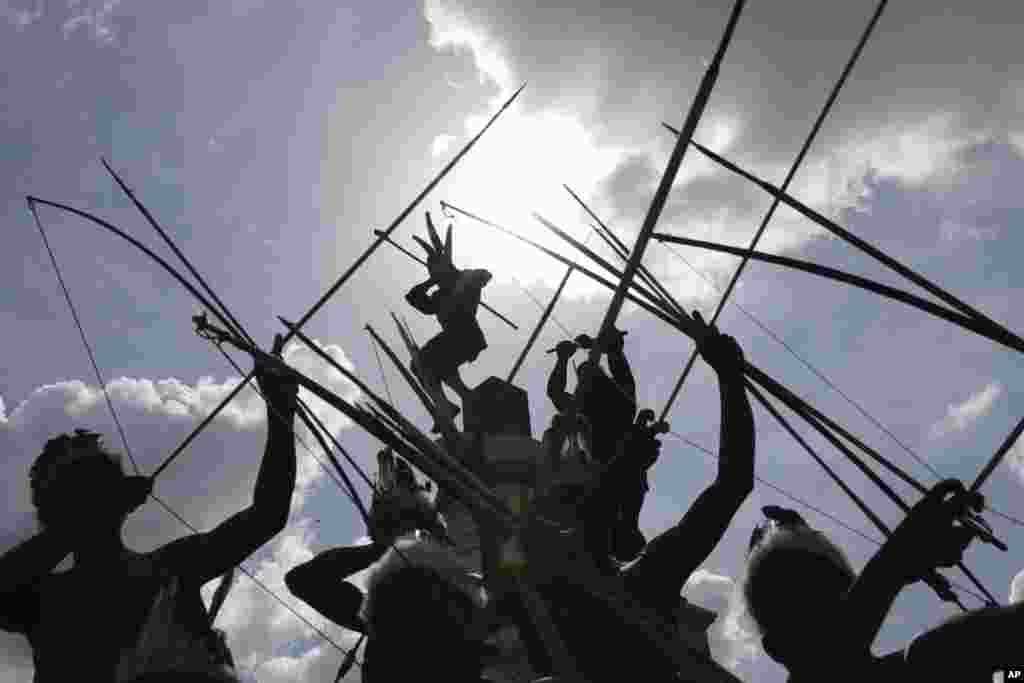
(519,169)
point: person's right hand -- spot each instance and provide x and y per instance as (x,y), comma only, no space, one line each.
(929,537)
(566,349)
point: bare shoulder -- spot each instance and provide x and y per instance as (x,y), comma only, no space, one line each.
(181,556)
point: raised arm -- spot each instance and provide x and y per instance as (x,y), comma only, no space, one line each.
(207,555)
(559,377)
(925,540)
(684,547)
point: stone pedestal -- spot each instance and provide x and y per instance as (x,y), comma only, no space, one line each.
(497,407)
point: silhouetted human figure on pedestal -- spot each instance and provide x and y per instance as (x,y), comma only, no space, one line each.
(455,303)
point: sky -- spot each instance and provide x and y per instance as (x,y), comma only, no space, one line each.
(270,139)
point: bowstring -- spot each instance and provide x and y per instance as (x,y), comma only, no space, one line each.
(124,439)
(85,340)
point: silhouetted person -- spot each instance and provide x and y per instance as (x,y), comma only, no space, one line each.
(423,609)
(400,507)
(455,303)
(605,650)
(796,575)
(601,414)
(426,616)
(118,615)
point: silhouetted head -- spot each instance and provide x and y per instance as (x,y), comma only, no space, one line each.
(794,576)
(445,276)
(423,611)
(77,483)
(400,504)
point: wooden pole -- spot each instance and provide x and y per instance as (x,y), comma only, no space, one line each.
(540,325)
(661,195)
(687,134)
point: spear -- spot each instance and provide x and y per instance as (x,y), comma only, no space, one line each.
(648,294)
(417,259)
(661,195)
(619,247)
(687,135)
(998,456)
(540,325)
(850,238)
(975,325)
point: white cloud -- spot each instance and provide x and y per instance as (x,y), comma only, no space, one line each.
(731,638)
(450,29)
(1017,140)
(241,8)
(20,18)
(1016,588)
(1015,458)
(960,416)
(441,144)
(94,17)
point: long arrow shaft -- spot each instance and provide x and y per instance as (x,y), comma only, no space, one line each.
(540,325)
(687,134)
(661,195)
(620,248)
